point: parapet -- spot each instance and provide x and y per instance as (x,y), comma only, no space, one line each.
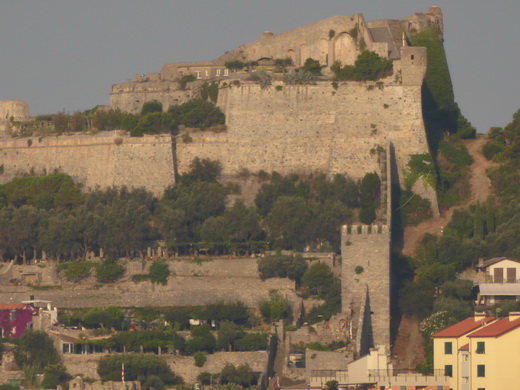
(365,229)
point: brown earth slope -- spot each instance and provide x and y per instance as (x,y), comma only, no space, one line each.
(408,348)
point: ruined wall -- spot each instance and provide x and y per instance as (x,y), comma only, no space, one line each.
(17,110)
(104,159)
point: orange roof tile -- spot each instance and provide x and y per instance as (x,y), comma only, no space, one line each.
(463,327)
(12,306)
(465,347)
(498,328)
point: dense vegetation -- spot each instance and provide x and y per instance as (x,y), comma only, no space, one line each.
(51,214)
(483,230)
(198,113)
(368,66)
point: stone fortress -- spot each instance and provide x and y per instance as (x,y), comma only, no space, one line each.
(345,127)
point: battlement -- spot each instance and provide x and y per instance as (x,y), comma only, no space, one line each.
(365,229)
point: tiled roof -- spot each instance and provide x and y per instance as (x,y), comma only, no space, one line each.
(12,306)
(463,327)
(498,328)
(495,260)
(465,347)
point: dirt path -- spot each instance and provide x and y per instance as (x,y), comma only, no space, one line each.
(480,190)
(408,345)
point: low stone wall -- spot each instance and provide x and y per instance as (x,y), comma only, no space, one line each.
(183,366)
(180,291)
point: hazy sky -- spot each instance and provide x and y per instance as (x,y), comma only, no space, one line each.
(65,54)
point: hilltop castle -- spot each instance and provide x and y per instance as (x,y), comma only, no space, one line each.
(345,127)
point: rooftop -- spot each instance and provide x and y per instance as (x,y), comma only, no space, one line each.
(500,327)
(12,306)
(464,327)
(495,260)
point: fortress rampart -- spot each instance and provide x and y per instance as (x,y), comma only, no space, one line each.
(313,127)
(105,159)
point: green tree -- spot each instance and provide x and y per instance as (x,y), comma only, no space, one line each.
(275,308)
(282,266)
(318,278)
(241,375)
(201,340)
(292,222)
(252,342)
(228,333)
(312,66)
(197,113)
(139,367)
(154,123)
(35,348)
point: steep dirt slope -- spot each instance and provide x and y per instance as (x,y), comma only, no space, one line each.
(408,348)
(480,190)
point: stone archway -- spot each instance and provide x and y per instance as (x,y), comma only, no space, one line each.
(345,49)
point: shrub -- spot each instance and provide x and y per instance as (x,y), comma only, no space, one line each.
(275,308)
(75,271)
(455,154)
(492,149)
(184,80)
(159,272)
(50,380)
(200,358)
(234,65)
(151,106)
(109,271)
(368,66)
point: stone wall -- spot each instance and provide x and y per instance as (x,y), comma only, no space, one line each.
(183,366)
(312,128)
(227,280)
(104,159)
(368,249)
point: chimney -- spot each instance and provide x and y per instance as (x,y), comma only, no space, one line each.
(514,315)
(479,316)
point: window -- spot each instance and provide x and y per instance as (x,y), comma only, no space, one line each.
(448,370)
(481,370)
(481,388)
(226,72)
(197,73)
(481,347)
(218,72)
(448,348)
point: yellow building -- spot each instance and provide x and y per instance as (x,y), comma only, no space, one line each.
(495,355)
(451,353)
